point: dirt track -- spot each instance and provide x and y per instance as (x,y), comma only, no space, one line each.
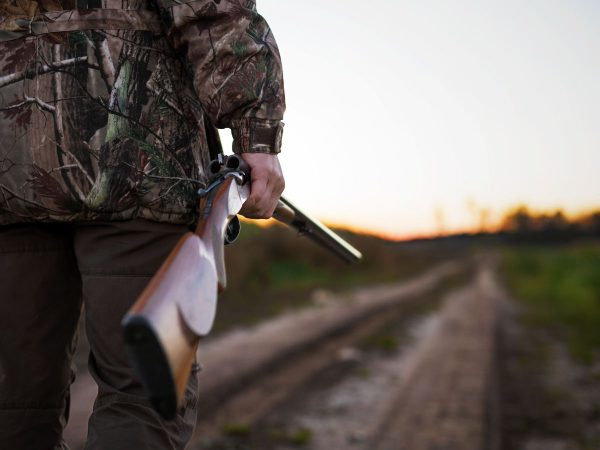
(309,378)
(447,398)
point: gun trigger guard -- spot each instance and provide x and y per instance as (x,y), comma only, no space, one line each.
(233,230)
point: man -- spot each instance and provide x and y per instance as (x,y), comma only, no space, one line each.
(108,111)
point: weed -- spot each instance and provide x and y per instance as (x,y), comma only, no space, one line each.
(301,436)
(384,342)
(236,429)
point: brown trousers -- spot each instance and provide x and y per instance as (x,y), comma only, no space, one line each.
(46,272)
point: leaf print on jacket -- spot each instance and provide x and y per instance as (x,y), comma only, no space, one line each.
(106,110)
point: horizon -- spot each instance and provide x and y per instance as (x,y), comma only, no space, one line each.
(489,229)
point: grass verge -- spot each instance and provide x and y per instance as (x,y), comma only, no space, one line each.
(560,286)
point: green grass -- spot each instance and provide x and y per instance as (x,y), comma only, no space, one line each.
(272,270)
(298,274)
(561,288)
(384,342)
(236,429)
(298,437)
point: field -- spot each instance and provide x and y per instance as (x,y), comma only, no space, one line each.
(505,320)
(549,357)
(271,270)
(560,285)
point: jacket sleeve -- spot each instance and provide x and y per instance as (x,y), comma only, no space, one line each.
(232,54)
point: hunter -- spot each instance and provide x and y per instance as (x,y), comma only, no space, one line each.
(109,112)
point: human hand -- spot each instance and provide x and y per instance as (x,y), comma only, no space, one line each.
(267,184)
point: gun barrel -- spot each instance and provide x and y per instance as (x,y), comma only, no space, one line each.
(289,214)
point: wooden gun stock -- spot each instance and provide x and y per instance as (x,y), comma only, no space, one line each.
(163,327)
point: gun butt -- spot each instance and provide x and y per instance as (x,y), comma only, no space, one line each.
(159,343)
(163,369)
(151,362)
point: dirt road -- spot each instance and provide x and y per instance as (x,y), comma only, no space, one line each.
(447,398)
(402,366)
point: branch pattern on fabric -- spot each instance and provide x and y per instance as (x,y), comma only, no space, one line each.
(102,108)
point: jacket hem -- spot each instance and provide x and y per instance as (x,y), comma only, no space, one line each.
(182,217)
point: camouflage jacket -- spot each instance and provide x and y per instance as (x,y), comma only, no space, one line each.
(108,107)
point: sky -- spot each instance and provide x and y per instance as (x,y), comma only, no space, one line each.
(409,118)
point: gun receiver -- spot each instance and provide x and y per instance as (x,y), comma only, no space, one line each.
(164,326)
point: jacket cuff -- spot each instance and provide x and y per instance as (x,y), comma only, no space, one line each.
(256,136)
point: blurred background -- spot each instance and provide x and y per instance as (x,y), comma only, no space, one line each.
(457,145)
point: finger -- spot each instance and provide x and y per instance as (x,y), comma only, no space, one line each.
(275,186)
(267,185)
(256,199)
(258,190)
(267,204)
(278,186)
(263,205)
(247,208)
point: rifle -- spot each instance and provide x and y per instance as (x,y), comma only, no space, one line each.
(164,326)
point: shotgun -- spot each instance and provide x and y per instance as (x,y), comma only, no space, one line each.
(178,306)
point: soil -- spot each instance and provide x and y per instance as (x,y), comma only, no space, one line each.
(251,371)
(549,401)
(418,379)
(443,362)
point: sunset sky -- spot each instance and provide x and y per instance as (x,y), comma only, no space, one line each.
(409,117)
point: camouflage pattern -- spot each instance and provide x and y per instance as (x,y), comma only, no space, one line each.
(107,106)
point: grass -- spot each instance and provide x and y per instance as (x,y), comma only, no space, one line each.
(560,286)
(271,270)
(295,275)
(384,342)
(241,432)
(236,429)
(297,437)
